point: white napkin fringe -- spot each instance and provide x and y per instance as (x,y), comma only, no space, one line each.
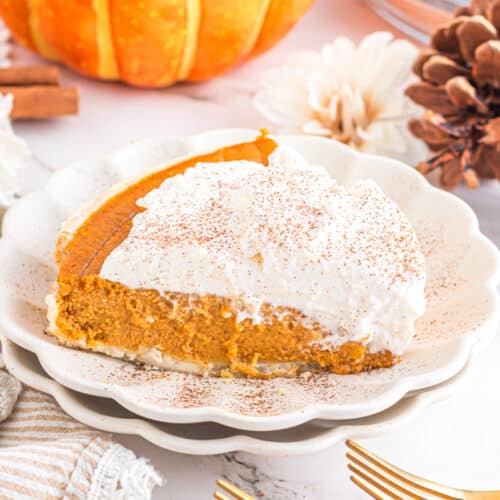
(121,475)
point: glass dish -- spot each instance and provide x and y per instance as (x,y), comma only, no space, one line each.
(417,18)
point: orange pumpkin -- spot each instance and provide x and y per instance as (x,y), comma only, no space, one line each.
(151,43)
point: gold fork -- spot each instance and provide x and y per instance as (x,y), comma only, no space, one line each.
(233,490)
(382,480)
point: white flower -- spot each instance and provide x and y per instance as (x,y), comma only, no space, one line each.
(351,94)
(14,153)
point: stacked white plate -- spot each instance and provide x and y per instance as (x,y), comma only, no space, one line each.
(190,414)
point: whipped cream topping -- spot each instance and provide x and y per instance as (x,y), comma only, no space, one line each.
(286,234)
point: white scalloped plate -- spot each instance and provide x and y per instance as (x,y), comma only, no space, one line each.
(462,312)
(212,439)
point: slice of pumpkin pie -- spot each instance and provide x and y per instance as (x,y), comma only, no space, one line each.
(247,260)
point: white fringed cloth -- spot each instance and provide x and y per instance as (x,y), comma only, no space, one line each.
(46,454)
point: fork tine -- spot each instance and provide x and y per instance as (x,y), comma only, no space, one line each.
(366,488)
(235,491)
(360,465)
(435,489)
(220,496)
(376,484)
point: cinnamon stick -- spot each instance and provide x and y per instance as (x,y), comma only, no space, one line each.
(41,101)
(29,75)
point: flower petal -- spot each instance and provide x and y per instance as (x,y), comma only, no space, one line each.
(314,127)
(284,108)
(395,69)
(369,56)
(347,111)
(337,59)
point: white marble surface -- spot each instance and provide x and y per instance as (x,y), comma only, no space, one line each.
(455,442)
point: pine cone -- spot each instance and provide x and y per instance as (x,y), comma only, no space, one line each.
(460,87)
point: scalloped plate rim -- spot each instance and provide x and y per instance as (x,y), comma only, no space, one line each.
(238,443)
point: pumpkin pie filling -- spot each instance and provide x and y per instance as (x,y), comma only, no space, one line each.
(183,328)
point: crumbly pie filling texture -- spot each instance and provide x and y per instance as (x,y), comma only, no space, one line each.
(222,296)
